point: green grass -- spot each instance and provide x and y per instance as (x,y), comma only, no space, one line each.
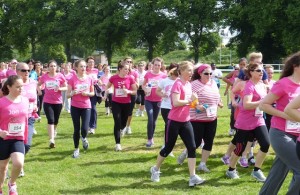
(101,170)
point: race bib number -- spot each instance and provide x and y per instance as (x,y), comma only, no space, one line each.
(154,83)
(120,93)
(293,127)
(16,129)
(211,111)
(82,88)
(258,112)
(51,84)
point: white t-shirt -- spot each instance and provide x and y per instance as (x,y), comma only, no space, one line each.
(216,74)
(166,86)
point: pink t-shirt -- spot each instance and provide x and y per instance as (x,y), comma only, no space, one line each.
(286,90)
(14,118)
(93,73)
(53,96)
(69,75)
(10,72)
(2,75)
(119,84)
(207,94)
(134,74)
(29,91)
(104,79)
(250,119)
(79,100)
(152,81)
(181,113)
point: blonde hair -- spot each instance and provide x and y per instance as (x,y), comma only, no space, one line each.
(184,65)
(255,55)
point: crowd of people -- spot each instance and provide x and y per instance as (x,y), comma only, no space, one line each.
(187,95)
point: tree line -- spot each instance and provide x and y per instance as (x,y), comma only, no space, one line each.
(56,29)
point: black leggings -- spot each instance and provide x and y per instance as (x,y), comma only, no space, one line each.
(140,97)
(132,104)
(260,133)
(164,113)
(205,131)
(108,99)
(120,114)
(85,115)
(40,102)
(52,112)
(185,130)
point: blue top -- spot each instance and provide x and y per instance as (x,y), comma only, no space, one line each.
(33,75)
(242,75)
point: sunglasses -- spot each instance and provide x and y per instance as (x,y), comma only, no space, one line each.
(24,70)
(207,73)
(257,70)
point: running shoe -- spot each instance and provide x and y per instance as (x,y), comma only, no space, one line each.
(51,144)
(195,180)
(142,114)
(138,113)
(55,132)
(34,131)
(12,189)
(22,173)
(243,162)
(91,131)
(226,160)
(231,132)
(232,174)
(154,174)
(128,130)
(203,168)
(118,147)
(251,160)
(181,157)
(76,153)
(149,143)
(258,175)
(85,143)
(123,132)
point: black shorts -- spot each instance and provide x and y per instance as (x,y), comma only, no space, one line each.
(8,147)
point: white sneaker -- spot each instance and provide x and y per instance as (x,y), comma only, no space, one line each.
(195,180)
(22,173)
(76,153)
(142,114)
(128,130)
(154,174)
(55,132)
(118,147)
(231,132)
(51,143)
(138,112)
(182,157)
(34,131)
(85,143)
(258,175)
(232,174)
(91,131)
(203,167)
(123,131)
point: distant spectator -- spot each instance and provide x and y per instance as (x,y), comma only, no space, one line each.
(216,74)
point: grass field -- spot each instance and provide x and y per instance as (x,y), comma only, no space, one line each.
(101,170)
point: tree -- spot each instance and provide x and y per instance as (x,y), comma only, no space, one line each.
(195,18)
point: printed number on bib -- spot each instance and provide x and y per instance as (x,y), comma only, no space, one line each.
(291,126)
(51,84)
(258,112)
(16,129)
(120,93)
(211,111)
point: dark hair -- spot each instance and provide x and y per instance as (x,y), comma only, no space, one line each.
(195,75)
(173,69)
(9,82)
(159,60)
(147,65)
(243,59)
(121,65)
(90,57)
(250,67)
(30,60)
(52,61)
(289,64)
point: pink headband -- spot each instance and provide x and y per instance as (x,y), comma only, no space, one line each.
(202,67)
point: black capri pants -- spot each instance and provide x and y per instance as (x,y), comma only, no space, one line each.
(7,147)
(140,96)
(260,133)
(185,130)
(205,131)
(52,112)
(120,114)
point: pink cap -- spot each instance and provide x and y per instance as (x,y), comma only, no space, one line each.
(203,67)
